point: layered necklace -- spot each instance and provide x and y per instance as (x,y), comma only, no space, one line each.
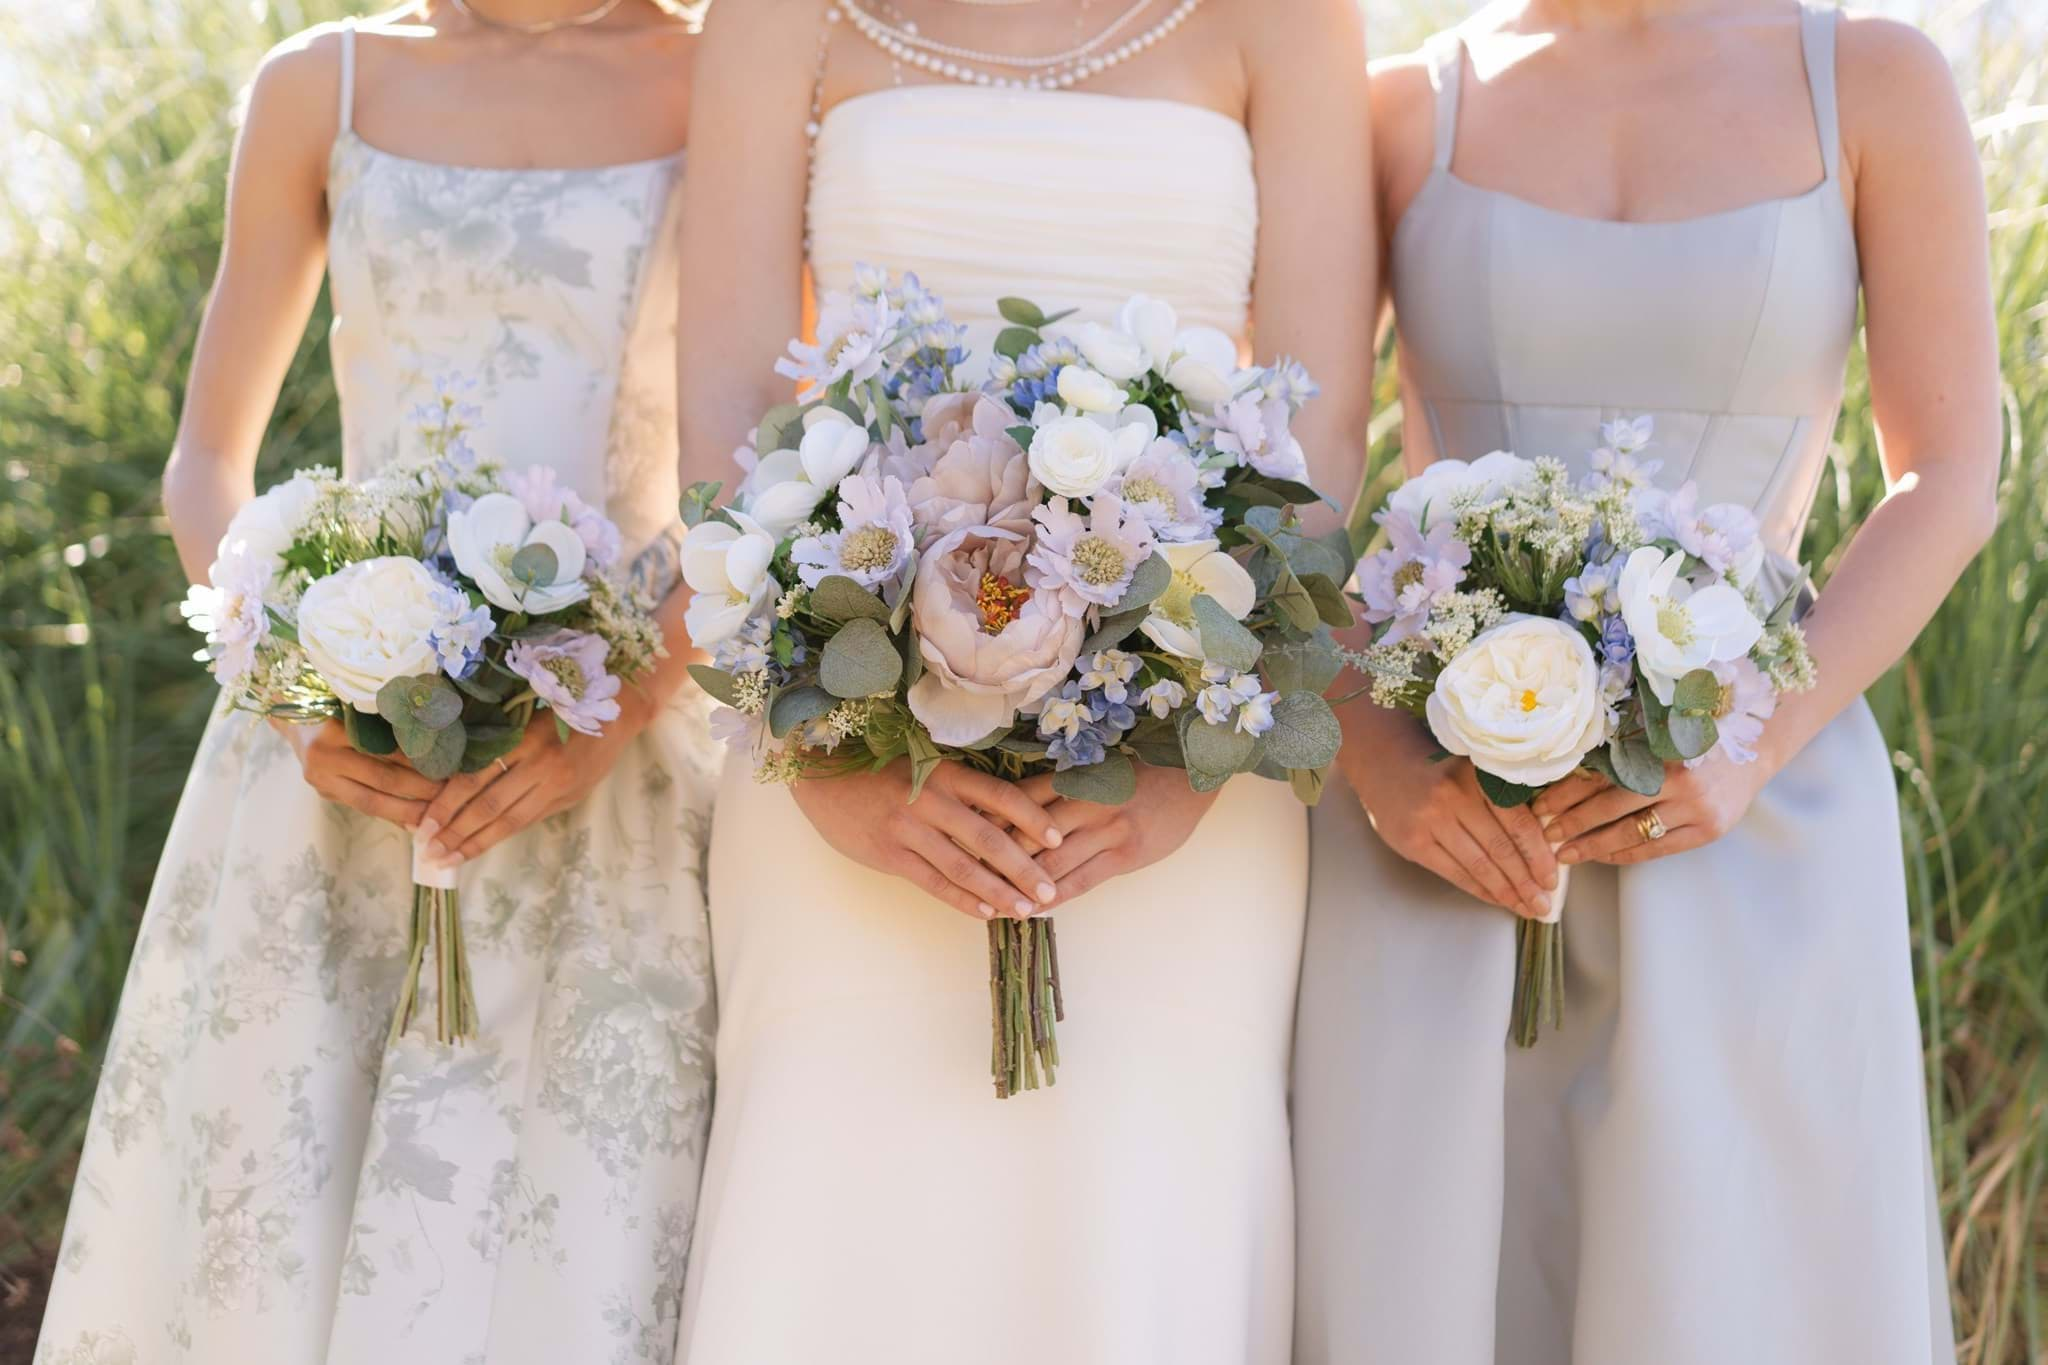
(1047,71)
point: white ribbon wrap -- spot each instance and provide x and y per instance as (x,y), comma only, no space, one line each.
(430,869)
(1564,881)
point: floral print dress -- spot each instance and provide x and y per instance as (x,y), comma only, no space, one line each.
(264,1180)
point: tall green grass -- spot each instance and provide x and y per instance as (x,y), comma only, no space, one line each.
(100,289)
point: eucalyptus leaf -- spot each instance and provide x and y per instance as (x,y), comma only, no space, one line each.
(1114,630)
(1021,434)
(781,428)
(437,754)
(839,598)
(427,701)
(487,684)
(924,757)
(860,661)
(1215,748)
(1023,312)
(369,734)
(715,681)
(1267,520)
(1308,784)
(1332,606)
(1698,692)
(1291,599)
(697,500)
(1111,782)
(913,658)
(1157,744)
(1152,578)
(1225,641)
(798,706)
(1012,342)
(1309,665)
(1309,557)
(1207,782)
(1305,733)
(532,564)
(1693,735)
(1021,746)
(1504,793)
(1636,767)
(486,744)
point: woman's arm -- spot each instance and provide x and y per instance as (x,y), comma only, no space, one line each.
(270,267)
(1933,347)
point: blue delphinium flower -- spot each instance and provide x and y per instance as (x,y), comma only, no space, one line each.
(1080,724)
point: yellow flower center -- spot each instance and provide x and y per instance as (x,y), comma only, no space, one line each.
(1000,602)
(1142,489)
(1674,623)
(1726,702)
(1407,576)
(1528,699)
(567,673)
(870,549)
(1177,603)
(1098,562)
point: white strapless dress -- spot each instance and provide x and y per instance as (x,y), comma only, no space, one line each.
(866,1197)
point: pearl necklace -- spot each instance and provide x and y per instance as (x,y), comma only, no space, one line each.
(1059,71)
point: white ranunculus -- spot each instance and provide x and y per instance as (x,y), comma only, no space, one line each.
(782,495)
(1153,324)
(830,450)
(1679,628)
(1074,456)
(1111,352)
(485,536)
(1089,391)
(1429,494)
(727,570)
(264,527)
(1522,701)
(1201,568)
(366,624)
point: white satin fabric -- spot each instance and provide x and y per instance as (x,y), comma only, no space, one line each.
(867,1200)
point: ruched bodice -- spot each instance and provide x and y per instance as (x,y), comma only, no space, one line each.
(552,292)
(1524,328)
(1078,200)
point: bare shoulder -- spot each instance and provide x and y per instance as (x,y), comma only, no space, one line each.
(1403,91)
(1896,92)
(762,25)
(1301,34)
(294,98)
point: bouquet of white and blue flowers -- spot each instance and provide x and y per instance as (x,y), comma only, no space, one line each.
(1543,626)
(1088,559)
(433,608)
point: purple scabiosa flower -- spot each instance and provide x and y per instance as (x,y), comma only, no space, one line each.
(566,670)
(876,540)
(1092,558)
(1747,701)
(1254,430)
(1401,582)
(1164,486)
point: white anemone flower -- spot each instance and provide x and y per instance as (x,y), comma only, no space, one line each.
(1200,568)
(487,536)
(1678,627)
(726,567)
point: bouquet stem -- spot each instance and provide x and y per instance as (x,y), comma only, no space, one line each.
(1539,971)
(436,927)
(1025,1002)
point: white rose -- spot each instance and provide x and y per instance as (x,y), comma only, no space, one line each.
(1678,628)
(1111,352)
(366,624)
(1429,494)
(264,527)
(485,536)
(1153,324)
(1074,456)
(727,570)
(830,450)
(1201,568)
(1522,701)
(781,495)
(1083,388)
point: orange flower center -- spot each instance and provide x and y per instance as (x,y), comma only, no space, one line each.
(1529,699)
(1000,602)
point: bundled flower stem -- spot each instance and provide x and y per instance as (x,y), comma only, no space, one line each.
(1539,979)
(1024,996)
(437,926)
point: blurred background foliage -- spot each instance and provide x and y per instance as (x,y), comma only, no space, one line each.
(119,117)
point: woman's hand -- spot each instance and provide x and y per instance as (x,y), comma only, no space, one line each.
(951,843)
(1432,813)
(387,788)
(1593,821)
(1101,842)
(545,775)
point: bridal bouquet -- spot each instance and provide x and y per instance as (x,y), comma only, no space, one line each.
(1542,626)
(433,609)
(1087,560)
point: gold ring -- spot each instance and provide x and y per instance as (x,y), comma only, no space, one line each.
(1651,826)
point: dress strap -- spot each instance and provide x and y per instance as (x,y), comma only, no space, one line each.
(1817,44)
(1447,58)
(348,75)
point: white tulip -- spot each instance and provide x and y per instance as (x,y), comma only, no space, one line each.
(1153,325)
(1074,456)
(1111,352)
(485,536)
(727,570)
(1083,388)
(1522,701)
(829,451)
(369,623)
(1679,628)
(1200,569)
